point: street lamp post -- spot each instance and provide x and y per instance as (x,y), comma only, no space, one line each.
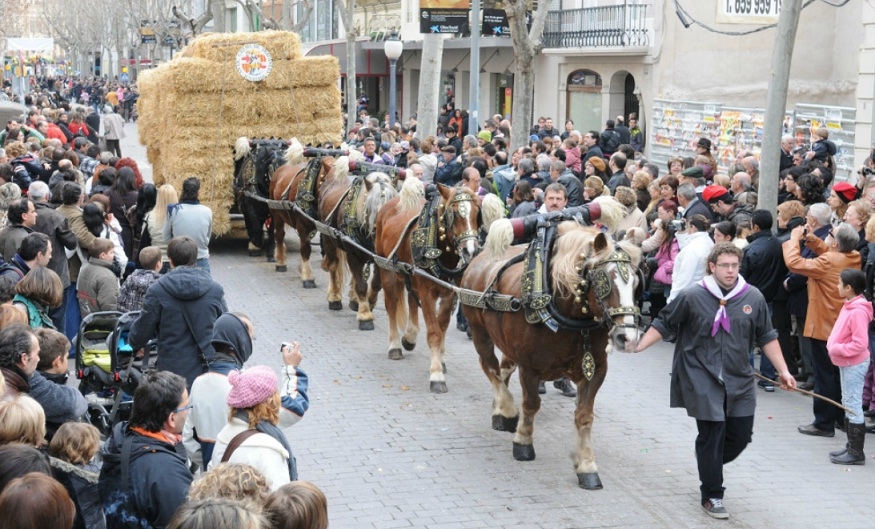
(393,48)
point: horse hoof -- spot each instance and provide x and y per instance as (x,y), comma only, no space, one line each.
(254,253)
(408,346)
(438,387)
(505,424)
(353,305)
(523,452)
(366,325)
(395,354)
(332,305)
(589,481)
(281,268)
(309,283)
(271,259)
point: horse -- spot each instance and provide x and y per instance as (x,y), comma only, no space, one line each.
(448,242)
(298,181)
(351,207)
(254,163)
(594,287)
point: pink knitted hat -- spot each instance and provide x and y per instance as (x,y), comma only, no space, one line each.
(251,387)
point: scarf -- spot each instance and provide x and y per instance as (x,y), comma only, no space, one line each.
(272,430)
(721,319)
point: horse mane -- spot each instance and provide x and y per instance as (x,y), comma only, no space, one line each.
(498,239)
(341,168)
(632,249)
(241,148)
(411,191)
(612,212)
(356,155)
(381,192)
(295,153)
(491,209)
(573,245)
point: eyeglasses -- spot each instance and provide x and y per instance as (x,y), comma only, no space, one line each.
(184,408)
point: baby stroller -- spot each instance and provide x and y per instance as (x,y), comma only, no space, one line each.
(107,367)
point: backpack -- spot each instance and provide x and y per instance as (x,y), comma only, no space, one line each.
(7,268)
(613,142)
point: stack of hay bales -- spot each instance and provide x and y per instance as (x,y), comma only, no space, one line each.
(194,107)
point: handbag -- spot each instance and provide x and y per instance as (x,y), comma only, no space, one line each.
(235,443)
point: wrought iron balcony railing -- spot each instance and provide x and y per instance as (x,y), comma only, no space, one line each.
(606,26)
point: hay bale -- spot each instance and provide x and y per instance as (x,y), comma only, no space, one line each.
(194,108)
(223,47)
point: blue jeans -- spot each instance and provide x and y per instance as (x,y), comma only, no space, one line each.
(204,263)
(852,378)
(72,317)
(766,368)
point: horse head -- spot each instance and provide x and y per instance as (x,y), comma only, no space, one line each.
(460,221)
(603,277)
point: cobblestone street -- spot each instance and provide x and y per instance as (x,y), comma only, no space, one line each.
(389,454)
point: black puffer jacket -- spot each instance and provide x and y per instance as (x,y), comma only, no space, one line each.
(180,309)
(763,265)
(157,484)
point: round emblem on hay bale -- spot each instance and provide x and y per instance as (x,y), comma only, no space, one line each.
(254,62)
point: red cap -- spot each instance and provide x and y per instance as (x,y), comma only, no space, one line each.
(845,191)
(714,192)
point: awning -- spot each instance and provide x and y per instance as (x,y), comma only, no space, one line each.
(38,45)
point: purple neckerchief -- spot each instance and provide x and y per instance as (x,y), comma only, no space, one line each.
(721,319)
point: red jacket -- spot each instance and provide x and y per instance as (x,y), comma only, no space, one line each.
(56,133)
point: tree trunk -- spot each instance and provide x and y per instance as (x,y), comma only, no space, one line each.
(429,85)
(526,45)
(776,104)
(346,14)
(218,9)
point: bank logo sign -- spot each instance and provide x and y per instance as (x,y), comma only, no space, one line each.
(444,16)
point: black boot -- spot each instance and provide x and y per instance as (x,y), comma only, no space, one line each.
(843,451)
(565,386)
(854,455)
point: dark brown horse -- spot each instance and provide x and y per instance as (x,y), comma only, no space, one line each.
(284,185)
(457,219)
(594,286)
(350,204)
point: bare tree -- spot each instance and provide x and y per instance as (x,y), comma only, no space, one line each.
(286,21)
(526,45)
(346,12)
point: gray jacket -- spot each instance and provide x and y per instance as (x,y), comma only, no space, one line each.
(57,227)
(193,220)
(61,403)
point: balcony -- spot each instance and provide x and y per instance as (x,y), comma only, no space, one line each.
(620,26)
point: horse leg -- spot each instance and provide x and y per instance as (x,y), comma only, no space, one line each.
(523,443)
(306,250)
(253,227)
(507,369)
(270,243)
(505,414)
(412,326)
(279,237)
(395,310)
(332,262)
(365,317)
(437,319)
(584,458)
(376,286)
(353,297)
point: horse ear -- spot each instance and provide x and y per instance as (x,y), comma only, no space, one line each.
(600,243)
(445,191)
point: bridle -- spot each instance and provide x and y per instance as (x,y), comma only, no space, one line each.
(598,278)
(463,203)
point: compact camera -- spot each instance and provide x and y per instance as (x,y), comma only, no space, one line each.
(678,225)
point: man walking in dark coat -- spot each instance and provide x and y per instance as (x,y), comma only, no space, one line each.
(57,227)
(718,322)
(180,310)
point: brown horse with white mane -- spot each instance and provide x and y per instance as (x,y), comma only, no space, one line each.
(440,235)
(350,205)
(285,183)
(588,296)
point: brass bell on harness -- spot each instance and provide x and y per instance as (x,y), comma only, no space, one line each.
(577,299)
(584,310)
(443,237)
(449,249)
(442,229)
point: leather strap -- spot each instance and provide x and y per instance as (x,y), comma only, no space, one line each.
(235,443)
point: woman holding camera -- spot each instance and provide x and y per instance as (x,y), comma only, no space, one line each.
(662,264)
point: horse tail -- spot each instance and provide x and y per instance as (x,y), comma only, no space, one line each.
(341,168)
(381,192)
(499,238)
(612,212)
(411,192)
(241,148)
(491,209)
(295,153)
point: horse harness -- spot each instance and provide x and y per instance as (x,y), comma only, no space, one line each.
(432,231)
